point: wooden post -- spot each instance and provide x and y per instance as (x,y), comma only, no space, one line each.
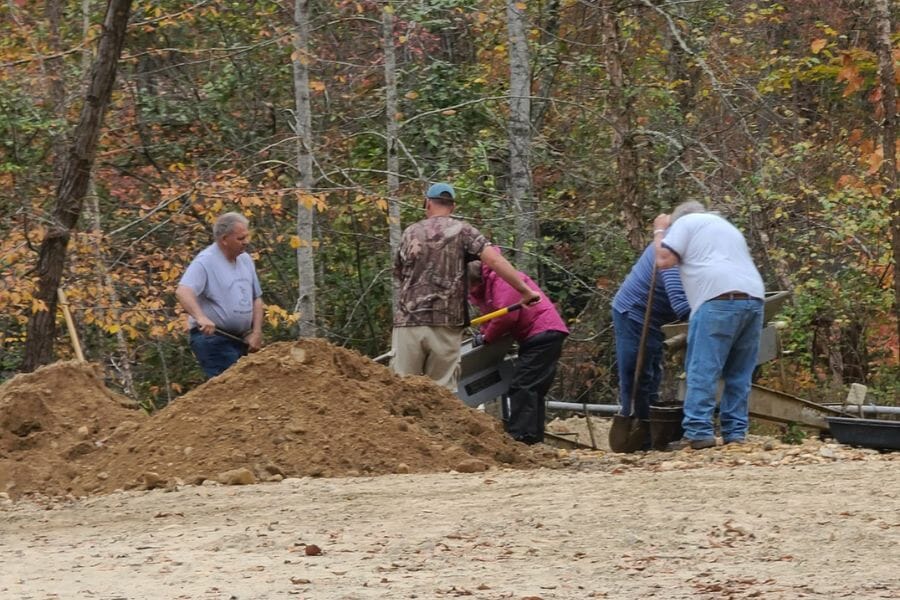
(64,304)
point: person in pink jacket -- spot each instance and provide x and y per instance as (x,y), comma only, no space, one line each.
(540,333)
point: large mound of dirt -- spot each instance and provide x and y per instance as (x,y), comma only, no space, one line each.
(52,419)
(294,409)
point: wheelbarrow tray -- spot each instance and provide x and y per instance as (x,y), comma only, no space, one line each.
(868,433)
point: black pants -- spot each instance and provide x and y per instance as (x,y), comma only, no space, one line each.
(533,376)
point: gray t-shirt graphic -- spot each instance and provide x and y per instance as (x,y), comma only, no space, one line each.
(225,290)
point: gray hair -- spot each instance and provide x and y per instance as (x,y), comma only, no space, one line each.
(225,224)
(473,270)
(687,208)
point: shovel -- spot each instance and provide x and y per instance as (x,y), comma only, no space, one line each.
(628,433)
(385,358)
(231,336)
(497,313)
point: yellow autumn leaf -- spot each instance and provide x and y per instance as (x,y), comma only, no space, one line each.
(114,329)
(521,6)
(317,86)
(381,203)
(295,242)
(307,200)
(37,305)
(817,45)
(389,9)
(412,95)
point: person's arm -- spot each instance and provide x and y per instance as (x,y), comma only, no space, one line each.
(508,273)
(188,300)
(675,292)
(254,338)
(665,258)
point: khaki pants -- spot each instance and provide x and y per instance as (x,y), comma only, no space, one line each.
(429,351)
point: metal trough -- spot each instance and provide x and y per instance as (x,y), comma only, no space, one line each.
(868,433)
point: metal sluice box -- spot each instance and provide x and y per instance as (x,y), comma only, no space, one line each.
(485,372)
(879,434)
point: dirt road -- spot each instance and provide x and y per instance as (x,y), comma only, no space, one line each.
(810,531)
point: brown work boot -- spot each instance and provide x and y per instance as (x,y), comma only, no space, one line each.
(692,444)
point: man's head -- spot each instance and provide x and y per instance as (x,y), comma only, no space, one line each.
(440,198)
(473,272)
(687,208)
(232,234)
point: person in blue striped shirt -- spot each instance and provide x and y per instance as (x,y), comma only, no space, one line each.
(628,309)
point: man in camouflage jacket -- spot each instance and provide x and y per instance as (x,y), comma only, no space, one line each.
(429,275)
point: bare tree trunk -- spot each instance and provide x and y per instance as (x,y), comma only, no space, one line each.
(73,184)
(622,118)
(92,212)
(549,67)
(306,298)
(390,107)
(882,11)
(56,80)
(520,191)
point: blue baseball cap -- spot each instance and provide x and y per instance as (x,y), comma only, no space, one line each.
(438,189)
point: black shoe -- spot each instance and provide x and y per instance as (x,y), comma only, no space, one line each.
(531,440)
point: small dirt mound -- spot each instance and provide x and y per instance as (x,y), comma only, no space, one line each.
(304,409)
(53,418)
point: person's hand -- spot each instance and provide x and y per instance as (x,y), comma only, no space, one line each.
(662,221)
(530,298)
(477,340)
(254,341)
(206,326)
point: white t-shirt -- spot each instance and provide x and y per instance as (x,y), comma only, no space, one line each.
(225,290)
(713,258)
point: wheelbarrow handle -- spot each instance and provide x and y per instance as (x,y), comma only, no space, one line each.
(497,313)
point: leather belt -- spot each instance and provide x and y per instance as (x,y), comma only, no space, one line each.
(222,332)
(733,296)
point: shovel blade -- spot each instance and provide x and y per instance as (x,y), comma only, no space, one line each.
(628,434)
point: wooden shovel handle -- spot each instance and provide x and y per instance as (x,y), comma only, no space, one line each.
(70,324)
(639,363)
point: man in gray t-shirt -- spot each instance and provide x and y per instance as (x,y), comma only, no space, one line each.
(726,294)
(222,296)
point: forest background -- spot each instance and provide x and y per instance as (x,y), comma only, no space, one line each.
(565,125)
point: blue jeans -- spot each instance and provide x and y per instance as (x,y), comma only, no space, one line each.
(723,342)
(215,353)
(628,340)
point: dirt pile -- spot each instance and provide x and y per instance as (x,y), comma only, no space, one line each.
(294,409)
(53,419)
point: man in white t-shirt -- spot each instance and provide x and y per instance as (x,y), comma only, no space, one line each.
(222,296)
(726,295)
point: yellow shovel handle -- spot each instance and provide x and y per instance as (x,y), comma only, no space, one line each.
(497,313)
